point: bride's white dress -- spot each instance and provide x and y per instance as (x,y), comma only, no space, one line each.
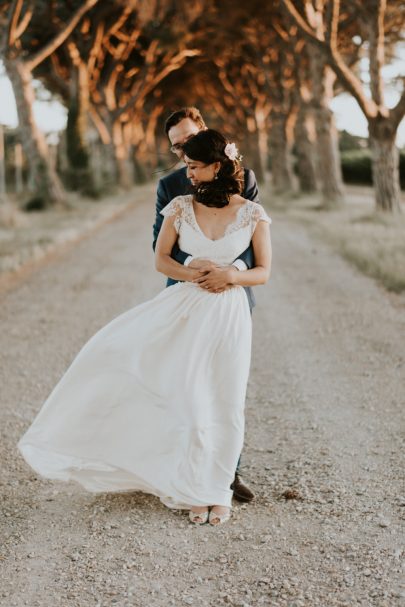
(155,400)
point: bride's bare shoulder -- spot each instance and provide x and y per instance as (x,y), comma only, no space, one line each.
(239,201)
(244,202)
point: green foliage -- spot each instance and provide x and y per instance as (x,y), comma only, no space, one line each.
(347,141)
(356,167)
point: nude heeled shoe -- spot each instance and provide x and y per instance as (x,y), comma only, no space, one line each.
(219,518)
(198,518)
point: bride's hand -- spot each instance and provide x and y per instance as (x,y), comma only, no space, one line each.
(216,279)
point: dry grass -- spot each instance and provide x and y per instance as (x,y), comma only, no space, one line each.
(10,215)
(373,242)
(26,237)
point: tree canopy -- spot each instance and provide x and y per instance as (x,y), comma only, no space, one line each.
(264,73)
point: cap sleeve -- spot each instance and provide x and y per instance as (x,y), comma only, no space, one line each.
(258,214)
(174,209)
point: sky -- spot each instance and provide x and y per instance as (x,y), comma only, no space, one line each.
(51,115)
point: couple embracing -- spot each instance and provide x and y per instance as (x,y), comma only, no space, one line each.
(155,400)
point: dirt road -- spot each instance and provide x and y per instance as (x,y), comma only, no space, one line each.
(323,420)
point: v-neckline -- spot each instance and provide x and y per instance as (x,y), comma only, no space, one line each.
(227,227)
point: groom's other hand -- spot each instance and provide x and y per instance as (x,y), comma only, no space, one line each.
(198,264)
(216,279)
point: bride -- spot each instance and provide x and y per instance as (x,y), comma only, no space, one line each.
(155,400)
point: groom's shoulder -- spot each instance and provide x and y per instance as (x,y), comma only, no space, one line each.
(250,176)
(250,189)
(177,179)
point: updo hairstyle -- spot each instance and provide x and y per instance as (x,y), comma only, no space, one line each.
(208,146)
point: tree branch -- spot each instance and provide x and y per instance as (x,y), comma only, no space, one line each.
(95,49)
(398,112)
(332,23)
(175,63)
(349,80)
(22,26)
(14,15)
(56,42)
(116,26)
(302,24)
(100,126)
(352,84)
(376,51)
(282,33)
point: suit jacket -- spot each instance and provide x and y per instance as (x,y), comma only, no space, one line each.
(177,184)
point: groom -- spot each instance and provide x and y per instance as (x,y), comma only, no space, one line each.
(179,127)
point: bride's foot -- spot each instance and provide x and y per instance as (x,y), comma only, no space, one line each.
(219,515)
(198,515)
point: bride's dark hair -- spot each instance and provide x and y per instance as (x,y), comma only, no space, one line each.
(208,146)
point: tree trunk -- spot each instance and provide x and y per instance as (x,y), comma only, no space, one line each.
(261,116)
(80,175)
(385,165)
(150,134)
(251,150)
(47,185)
(328,159)
(281,170)
(121,156)
(18,161)
(255,159)
(96,162)
(62,159)
(109,172)
(139,169)
(2,167)
(304,145)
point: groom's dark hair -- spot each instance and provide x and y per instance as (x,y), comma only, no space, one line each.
(186,112)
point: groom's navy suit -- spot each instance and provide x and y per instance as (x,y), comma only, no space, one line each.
(177,184)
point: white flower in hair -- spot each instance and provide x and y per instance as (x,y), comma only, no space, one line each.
(232,152)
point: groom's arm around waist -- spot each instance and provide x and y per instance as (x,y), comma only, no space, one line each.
(246,258)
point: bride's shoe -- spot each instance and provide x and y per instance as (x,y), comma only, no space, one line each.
(198,518)
(216,518)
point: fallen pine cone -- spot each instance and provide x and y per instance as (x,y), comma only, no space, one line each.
(291,494)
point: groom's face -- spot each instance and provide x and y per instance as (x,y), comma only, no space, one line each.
(180,133)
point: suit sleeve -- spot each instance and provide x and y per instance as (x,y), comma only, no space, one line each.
(248,257)
(163,199)
(179,255)
(251,190)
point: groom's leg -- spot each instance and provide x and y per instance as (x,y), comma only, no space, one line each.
(241,492)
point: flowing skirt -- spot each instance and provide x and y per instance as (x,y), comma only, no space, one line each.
(153,402)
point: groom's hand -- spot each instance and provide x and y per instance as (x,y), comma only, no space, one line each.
(198,264)
(216,279)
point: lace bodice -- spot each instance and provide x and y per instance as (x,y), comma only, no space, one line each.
(224,250)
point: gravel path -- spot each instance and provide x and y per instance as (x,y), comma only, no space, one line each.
(323,428)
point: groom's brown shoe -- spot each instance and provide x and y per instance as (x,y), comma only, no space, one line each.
(241,492)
